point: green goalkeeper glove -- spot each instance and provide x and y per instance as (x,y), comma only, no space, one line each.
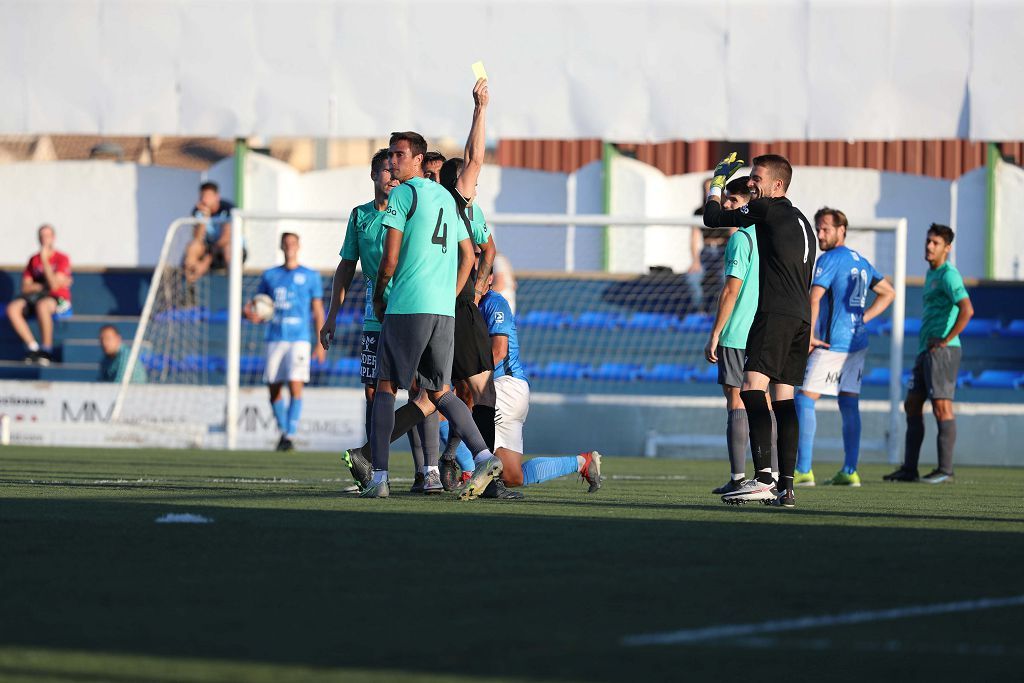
(725,170)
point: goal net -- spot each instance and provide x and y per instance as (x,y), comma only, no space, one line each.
(622,338)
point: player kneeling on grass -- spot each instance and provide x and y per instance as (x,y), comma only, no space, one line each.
(839,342)
(947,310)
(512,394)
(726,346)
(296,291)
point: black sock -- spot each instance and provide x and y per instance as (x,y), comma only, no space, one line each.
(789,438)
(416,446)
(406,417)
(457,413)
(383,421)
(760,420)
(946,441)
(483,417)
(915,437)
(369,419)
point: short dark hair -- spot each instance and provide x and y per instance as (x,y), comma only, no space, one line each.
(943,231)
(837,216)
(777,165)
(378,160)
(738,186)
(433,156)
(209,185)
(110,327)
(449,175)
(416,142)
(289,234)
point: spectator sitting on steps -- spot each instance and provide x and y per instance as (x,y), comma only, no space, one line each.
(45,293)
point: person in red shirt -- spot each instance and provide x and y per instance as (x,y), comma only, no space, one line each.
(45,292)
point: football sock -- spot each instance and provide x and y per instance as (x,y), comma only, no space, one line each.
(280,414)
(483,416)
(368,418)
(431,438)
(775,445)
(789,436)
(738,432)
(808,425)
(455,448)
(416,446)
(294,413)
(849,408)
(383,422)
(406,417)
(915,437)
(537,470)
(760,419)
(946,441)
(456,412)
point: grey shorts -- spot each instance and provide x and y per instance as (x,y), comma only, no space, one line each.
(368,345)
(416,346)
(935,373)
(730,366)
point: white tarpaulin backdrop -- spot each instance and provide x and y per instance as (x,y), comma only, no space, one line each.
(615,70)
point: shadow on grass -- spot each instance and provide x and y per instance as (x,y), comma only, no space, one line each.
(485,594)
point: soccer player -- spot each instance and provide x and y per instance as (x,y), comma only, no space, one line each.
(418,332)
(947,309)
(512,388)
(364,243)
(432,162)
(839,342)
(297,291)
(780,332)
(736,306)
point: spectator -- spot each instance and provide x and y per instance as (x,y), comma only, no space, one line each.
(115,358)
(46,293)
(706,275)
(504,280)
(210,247)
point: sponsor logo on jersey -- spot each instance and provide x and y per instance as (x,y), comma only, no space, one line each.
(744,209)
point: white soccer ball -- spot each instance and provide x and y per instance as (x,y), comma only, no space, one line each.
(263,306)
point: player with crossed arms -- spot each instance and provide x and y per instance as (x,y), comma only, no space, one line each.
(839,342)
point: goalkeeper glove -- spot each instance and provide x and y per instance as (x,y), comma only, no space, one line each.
(725,170)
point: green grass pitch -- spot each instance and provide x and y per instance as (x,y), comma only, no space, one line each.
(295,581)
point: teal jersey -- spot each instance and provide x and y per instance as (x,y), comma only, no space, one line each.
(943,289)
(741,261)
(426,215)
(477,225)
(112,368)
(364,242)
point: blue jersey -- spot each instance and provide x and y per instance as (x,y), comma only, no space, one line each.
(846,276)
(500,322)
(293,292)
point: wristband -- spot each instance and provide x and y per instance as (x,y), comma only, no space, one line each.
(715,192)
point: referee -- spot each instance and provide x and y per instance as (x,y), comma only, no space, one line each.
(781,331)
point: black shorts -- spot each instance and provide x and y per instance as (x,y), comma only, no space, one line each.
(777,346)
(31,300)
(472,342)
(368,344)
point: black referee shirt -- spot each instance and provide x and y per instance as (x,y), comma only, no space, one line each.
(786,249)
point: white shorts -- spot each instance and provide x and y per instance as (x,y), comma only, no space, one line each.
(830,372)
(287,362)
(513,403)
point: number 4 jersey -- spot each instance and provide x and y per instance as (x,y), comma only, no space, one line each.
(426,215)
(846,277)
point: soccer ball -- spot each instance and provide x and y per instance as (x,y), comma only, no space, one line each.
(263,306)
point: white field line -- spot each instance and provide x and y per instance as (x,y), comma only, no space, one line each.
(699,635)
(280,480)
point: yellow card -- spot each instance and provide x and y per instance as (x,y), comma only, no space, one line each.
(479,71)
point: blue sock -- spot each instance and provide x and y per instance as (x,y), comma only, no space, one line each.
(808,425)
(462,453)
(849,408)
(537,470)
(280,414)
(294,412)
